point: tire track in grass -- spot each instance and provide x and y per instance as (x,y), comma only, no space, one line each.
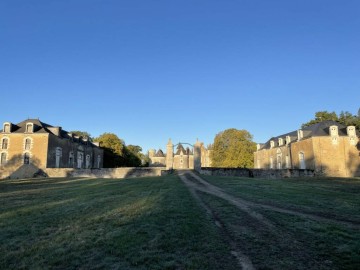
(242,259)
(204,186)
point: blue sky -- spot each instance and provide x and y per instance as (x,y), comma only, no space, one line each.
(149,70)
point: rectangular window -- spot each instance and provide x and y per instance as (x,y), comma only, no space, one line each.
(4,144)
(3,158)
(27,144)
(7,128)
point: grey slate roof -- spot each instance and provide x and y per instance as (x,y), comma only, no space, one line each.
(159,153)
(41,127)
(315,130)
(180,148)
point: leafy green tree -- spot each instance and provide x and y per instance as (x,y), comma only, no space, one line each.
(233,148)
(114,150)
(134,155)
(113,142)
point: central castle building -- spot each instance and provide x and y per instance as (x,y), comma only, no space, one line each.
(180,157)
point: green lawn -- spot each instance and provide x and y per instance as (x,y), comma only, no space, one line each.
(155,223)
(145,223)
(334,197)
(295,242)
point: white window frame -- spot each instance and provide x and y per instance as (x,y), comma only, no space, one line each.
(31,129)
(7,127)
(30,145)
(2,161)
(302,163)
(7,144)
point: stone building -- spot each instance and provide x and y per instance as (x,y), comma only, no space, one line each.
(182,158)
(327,147)
(31,145)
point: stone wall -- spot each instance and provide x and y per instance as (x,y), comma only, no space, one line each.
(107,172)
(32,171)
(257,173)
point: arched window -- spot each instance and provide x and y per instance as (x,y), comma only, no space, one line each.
(279,159)
(6,128)
(271,163)
(71,159)
(80,159)
(302,161)
(88,158)
(3,158)
(27,145)
(5,143)
(98,161)
(58,155)
(26,158)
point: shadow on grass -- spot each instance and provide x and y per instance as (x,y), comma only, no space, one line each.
(97,223)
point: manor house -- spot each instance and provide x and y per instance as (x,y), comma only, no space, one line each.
(328,147)
(31,145)
(182,158)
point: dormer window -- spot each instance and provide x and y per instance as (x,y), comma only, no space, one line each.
(350,131)
(300,134)
(334,131)
(272,144)
(281,141)
(29,128)
(7,128)
(288,140)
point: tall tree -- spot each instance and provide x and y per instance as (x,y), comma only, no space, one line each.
(114,150)
(233,148)
(134,155)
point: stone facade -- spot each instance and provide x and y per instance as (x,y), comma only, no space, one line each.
(328,148)
(181,158)
(32,145)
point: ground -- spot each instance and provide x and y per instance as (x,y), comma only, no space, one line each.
(180,222)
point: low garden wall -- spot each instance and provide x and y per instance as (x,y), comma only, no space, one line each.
(107,172)
(257,173)
(31,171)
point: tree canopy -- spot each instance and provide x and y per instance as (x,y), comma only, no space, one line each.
(117,154)
(346,118)
(233,148)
